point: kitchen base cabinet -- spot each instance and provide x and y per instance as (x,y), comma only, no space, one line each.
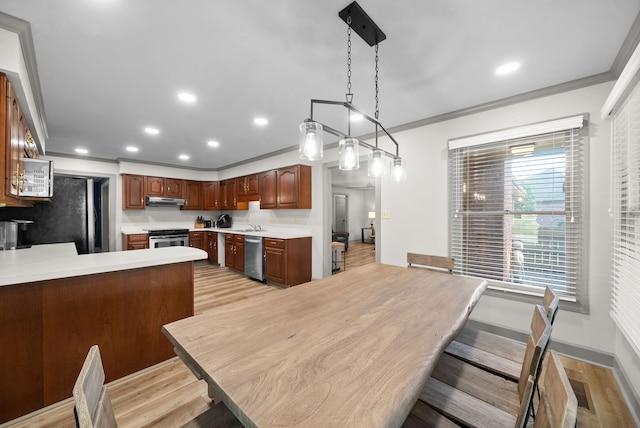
(287,261)
(198,240)
(234,251)
(135,242)
(47,328)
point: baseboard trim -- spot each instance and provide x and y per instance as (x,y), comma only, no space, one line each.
(590,355)
(633,401)
(593,356)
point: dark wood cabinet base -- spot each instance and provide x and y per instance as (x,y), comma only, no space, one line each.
(47,328)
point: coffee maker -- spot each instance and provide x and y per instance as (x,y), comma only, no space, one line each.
(8,235)
(12,234)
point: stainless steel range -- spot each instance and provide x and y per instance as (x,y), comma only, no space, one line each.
(168,238)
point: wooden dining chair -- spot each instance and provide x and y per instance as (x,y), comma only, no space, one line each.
(430,262)
(472,396)
(558,405)
(496,353)
(93,406)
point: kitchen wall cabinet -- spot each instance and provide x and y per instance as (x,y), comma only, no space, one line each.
(165,187)
(287,261)
(135,241)
(16,143)
(133,192)
(268,190)
(193,195)
(248,187)
(234,251)
(212,246)
(211,192)
(198,240)
(286,188)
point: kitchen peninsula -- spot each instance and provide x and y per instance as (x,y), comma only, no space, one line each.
(55,304)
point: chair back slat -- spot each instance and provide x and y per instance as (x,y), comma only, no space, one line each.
(92,404)
(551,302)
(558,407)
(430,262)
(536,346)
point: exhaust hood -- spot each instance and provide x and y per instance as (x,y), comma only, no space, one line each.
(156,201)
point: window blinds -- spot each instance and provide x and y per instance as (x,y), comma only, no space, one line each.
(625,171)
(516,205)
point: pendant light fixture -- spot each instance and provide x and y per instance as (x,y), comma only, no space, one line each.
(310,135)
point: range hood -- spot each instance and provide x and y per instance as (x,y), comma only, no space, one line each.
(156,201)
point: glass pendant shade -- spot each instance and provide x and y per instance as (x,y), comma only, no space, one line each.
(310,140)
(398,170)
(349,157)
(376,163)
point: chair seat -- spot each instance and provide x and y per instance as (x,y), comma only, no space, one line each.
(492,352)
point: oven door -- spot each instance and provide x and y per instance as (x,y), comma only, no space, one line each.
(169,241)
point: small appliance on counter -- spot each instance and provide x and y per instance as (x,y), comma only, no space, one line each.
(8,235)
(224,221)
(208,223)
(12,234)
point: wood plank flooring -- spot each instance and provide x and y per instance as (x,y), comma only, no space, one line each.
(168,395)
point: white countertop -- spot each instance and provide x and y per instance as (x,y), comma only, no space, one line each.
(281,233)
(53,261)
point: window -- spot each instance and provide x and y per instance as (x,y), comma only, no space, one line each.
(516,207)
(625,183)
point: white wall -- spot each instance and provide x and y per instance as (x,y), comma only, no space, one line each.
(419,214)
(360,203)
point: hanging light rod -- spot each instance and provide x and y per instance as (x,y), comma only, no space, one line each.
(340,134)
(362,24)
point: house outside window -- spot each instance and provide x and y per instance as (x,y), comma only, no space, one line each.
(516,208)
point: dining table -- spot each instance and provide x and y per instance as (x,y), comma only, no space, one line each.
(349,350)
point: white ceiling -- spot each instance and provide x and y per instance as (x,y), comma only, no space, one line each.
(108,68)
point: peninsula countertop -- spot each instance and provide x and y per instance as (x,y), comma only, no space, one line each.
(53,261)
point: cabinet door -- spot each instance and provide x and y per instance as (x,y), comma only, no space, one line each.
(174,188)
(232,194)
(287,187)
(241,186)
(274,266)
(238,262)
(136,242)
(228,250)
(133,192)
(194,196)
(196,240)
(210,201)
(212,246)
(222,195)
(15,145)
(155,186)
(268,189)
(252,184)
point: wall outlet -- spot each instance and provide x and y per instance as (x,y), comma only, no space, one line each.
(386,214)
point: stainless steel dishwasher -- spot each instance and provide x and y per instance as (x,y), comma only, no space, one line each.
(254,257)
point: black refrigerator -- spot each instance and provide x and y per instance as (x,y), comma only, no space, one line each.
(69,217)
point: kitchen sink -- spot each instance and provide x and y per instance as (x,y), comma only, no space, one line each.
(248,230)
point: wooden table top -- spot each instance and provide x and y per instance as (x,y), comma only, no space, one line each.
(353,349)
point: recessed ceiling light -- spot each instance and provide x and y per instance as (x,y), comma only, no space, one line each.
(151,131)
(82,151)
(184,157)
(356,117)
(132,149)
(187,97)
(213,143)
(260,121)
(507,68)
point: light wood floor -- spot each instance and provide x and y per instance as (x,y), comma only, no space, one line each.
(168,395)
